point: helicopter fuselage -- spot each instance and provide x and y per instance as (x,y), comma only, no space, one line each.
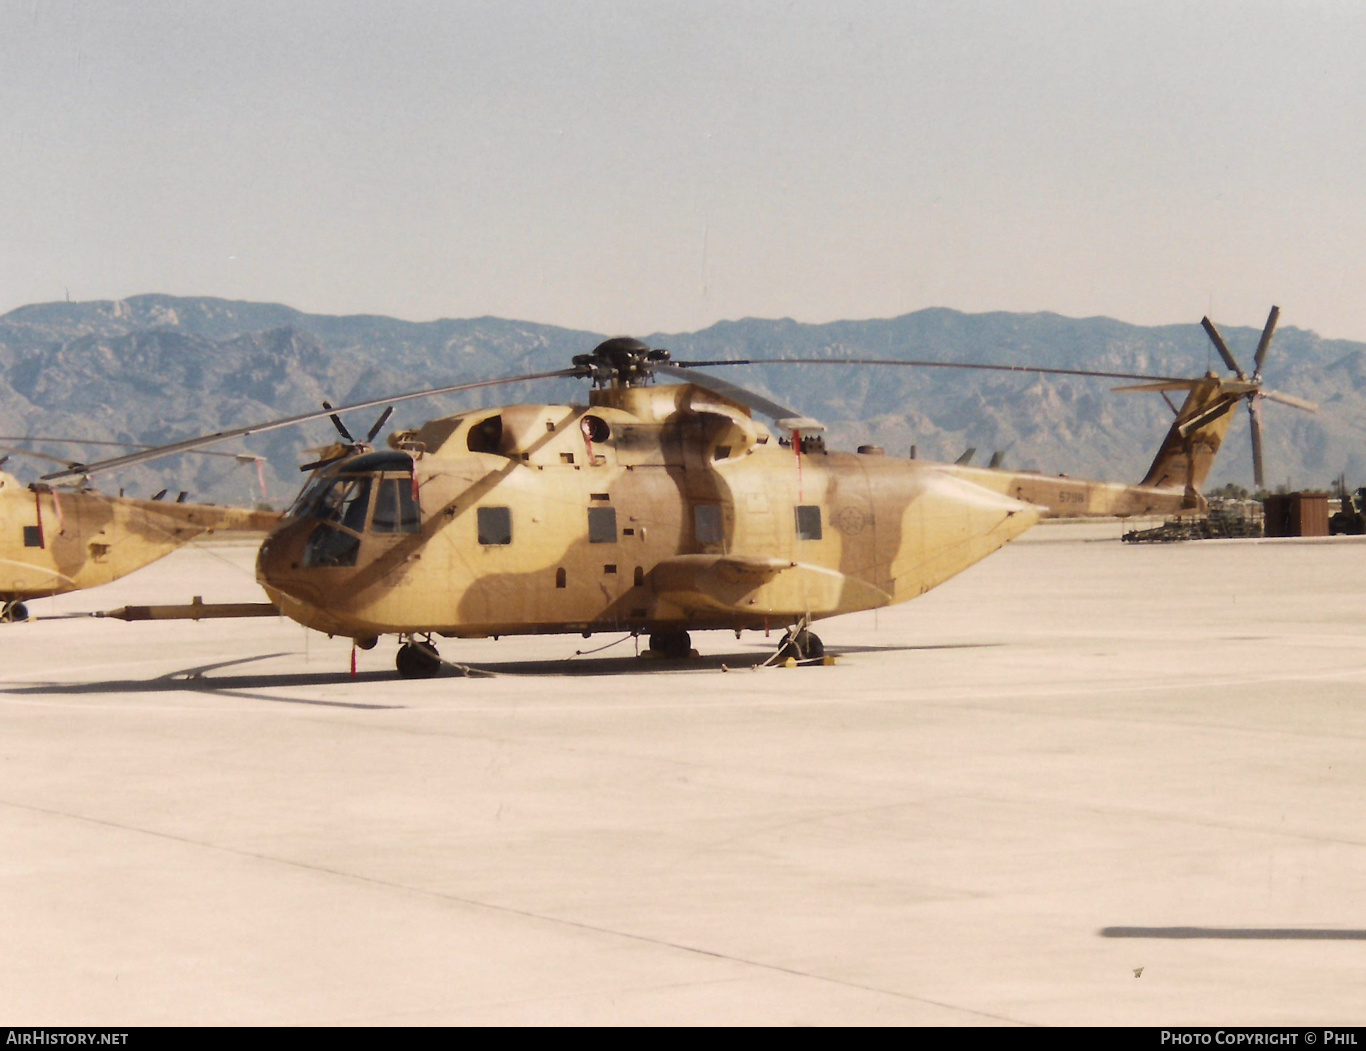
(653,508)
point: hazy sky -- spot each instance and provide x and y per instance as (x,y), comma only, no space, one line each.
(632,167)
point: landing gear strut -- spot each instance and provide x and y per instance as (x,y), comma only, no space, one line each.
(418,659)
(13,613)
(671,645)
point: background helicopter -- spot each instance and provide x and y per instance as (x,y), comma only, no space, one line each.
(55,540)
(664,508)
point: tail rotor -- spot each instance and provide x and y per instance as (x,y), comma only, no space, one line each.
(1249,388)
(349,445)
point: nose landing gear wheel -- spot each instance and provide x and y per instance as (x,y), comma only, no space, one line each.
(13,613)
(418,660)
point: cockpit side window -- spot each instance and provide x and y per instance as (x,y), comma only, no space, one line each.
(396,510)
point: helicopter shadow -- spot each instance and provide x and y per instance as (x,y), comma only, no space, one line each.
(196,680)
(199,679)
(741,660)
(1238,933)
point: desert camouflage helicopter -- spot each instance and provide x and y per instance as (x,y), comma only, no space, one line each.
(665,508)
(55,540)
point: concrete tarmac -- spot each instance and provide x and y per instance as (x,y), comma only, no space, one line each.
(1083,783)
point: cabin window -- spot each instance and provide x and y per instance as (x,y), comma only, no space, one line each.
(486,436)
(33,536)
(595,428)
(561,579)
(395,509)
(495,526)
(808,522)
(707,523)
(640,576)
(602,525)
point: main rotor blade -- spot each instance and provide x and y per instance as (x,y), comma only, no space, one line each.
(1222,347)
(115,445)
(1165,385)
(192,444)
(1254,415)
(929,365)
(15,451)
(1290,399)
(787,419)
(1265,344)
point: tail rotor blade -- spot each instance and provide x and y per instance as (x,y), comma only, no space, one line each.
(1265,343)
(1291,400)
(379,424)
(1254,413)
(1221,347)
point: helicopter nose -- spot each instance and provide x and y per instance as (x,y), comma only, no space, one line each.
(278,559)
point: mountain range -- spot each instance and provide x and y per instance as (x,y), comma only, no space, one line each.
(158,368)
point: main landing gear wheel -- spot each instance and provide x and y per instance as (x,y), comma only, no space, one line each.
(13,613)
(803,646)
(418,660)
(672,645)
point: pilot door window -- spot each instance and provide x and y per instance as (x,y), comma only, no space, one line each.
(495,526)
(342,506)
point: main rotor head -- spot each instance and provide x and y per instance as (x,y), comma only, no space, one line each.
(620,362)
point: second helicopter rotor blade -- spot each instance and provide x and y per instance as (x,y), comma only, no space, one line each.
(191,444)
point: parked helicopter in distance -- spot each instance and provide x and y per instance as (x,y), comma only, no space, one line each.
(665,508)
(57,541)
(53,541)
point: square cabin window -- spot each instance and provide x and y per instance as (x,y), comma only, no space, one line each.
(707,523)
(602,525)
(495,526)
(808,522)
